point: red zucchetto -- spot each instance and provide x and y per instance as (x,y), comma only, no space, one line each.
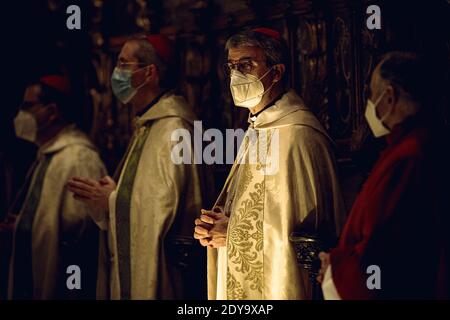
(163,47)
(59,83)
(268,32)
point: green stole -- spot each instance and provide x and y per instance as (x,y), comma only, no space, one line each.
(23,269)
(123,206)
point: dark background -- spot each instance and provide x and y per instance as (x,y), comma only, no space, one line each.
(331,50)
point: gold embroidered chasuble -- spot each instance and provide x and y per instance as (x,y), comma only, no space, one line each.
(284,172)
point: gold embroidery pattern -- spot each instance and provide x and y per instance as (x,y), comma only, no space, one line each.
(264,145)
(244,181)
(234,288)
(245,241)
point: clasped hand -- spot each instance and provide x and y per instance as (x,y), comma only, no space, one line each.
(211,228)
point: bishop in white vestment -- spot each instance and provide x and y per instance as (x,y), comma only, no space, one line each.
(269,199)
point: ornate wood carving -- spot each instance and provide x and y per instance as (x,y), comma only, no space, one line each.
(332,55)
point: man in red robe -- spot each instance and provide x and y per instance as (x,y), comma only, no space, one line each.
(395,244)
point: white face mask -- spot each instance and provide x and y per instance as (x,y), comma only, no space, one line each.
(247,90)
(376,125)
(25,125)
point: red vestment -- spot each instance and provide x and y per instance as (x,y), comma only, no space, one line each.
(400,221)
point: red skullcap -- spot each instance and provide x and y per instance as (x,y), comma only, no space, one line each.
(59,83)
(268,32)
(162,45)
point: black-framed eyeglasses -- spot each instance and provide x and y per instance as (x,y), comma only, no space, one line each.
(124,65)
(25,105)
(243,65)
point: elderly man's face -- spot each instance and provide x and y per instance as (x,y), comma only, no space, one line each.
(127,61)
(382,93)
(32,102)
(43,113)
(250,60)
(31,97)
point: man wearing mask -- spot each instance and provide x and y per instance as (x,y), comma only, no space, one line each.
(395,244)
(52,231)
(290,184)
(155,200)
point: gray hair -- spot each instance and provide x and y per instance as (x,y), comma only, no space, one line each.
(275,50)
(147,55)
(414,76)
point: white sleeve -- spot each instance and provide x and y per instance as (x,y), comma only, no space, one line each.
(328,288)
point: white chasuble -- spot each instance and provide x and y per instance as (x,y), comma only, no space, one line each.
(162,200)
(53,230)
(284,172)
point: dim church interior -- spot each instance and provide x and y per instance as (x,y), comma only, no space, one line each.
(332,54)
